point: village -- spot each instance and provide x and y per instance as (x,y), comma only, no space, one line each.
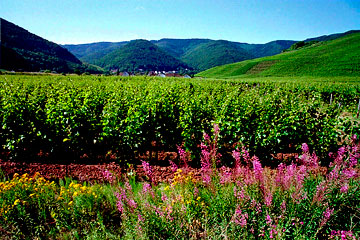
(141,72)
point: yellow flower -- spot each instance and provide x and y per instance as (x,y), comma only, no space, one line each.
(71,203)
(31,195)
(75,194)
(167,188)
(198,198)
(17,201)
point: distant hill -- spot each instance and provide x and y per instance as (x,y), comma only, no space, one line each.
(179,47)
(190,51)
(140,54)
(24,51)
(214,53)
(339,57)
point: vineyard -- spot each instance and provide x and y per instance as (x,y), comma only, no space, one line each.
(226,181)
(69,117)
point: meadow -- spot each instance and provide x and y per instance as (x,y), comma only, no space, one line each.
(229,129)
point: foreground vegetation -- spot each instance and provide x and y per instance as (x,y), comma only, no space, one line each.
(72,117)
(248,201)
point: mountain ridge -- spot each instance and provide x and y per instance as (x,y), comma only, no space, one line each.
(22,50)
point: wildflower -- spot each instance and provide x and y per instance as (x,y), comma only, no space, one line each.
(164,198)
(257,169)
(128,186)
(31,195)
(148,170)
(120,206)
(174,167)
(344,188)
(196,191)
(225,176)
(236,155)
(349,173)
(75,194)
(326,216)
(132,204)
(17,201)
(184,157)
(268,198)
(240,218)
(70,203)
(140,218)
(268,219)
(108,176)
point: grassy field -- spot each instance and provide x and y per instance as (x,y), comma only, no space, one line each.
(338,57)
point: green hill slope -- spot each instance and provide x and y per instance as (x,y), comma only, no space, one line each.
(140,54)
(215,53)
(179,47)
(24,51)
(340,57)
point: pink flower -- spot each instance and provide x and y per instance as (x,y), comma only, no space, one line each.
(184,157)
(268,219)
(174,167)
(344,188)
(257,169)
(239,218)
(268,198)
(305,148)
(148,170)
(108,176)
(326,216)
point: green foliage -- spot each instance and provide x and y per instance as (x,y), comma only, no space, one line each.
(68,117)
(301,44)
(214,53)
(140,54)
(338,57)
(196,53)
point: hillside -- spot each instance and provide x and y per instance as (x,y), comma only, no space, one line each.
(191,51)
(24,51)
(179,47)
(339,57)
(214,53)
(140,54)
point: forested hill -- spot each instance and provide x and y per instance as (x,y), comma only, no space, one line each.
(140,54)
(24,51)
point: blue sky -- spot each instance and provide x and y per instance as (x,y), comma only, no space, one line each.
(252,21)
